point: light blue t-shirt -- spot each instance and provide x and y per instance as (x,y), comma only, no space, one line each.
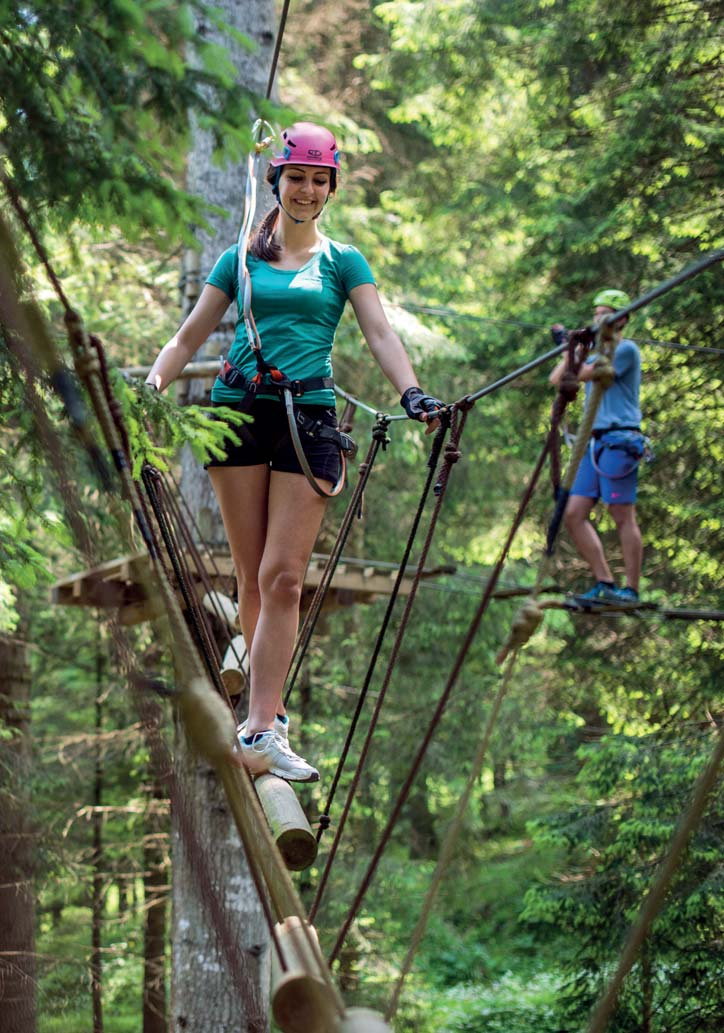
(620,403)
(296,311)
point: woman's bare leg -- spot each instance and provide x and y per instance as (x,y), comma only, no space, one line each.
(294,516)
(242,493)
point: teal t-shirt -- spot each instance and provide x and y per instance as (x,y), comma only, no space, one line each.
(296,311)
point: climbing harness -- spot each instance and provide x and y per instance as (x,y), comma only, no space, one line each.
(274,381)
(628,440)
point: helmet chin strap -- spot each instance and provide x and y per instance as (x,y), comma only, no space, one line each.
(279,202)
(289,214)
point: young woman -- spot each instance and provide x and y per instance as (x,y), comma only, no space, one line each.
(300,282)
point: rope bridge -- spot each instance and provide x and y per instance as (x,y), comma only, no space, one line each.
(203,699)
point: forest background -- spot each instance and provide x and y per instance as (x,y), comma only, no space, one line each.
(503,161)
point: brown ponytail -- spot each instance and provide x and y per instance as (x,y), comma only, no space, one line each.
(262,244)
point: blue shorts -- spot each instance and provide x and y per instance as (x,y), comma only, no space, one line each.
(608,473)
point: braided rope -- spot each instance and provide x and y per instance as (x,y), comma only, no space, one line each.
(454,830)
(458,425)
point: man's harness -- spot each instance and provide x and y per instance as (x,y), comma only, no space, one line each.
(628,440)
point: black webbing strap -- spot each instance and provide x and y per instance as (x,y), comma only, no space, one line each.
(272,380)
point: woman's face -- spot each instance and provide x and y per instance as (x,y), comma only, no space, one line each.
(304,190)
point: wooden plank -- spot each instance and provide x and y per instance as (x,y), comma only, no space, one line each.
(118,583)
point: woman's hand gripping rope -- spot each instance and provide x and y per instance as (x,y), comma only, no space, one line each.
(420,406)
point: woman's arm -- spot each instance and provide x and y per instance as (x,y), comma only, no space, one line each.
(383,342)
(203,319)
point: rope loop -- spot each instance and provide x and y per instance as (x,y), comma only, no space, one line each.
(465,404)
(525,624)
(379,431)
(603,371)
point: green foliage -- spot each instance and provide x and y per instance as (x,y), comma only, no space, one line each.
(507,1006)
(635,789)
(64,1003)
(200,427)
(30,513)
(95,101)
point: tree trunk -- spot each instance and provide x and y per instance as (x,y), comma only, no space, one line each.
(17,902)
(647,990)
(204,997)
(155,1019)
(97,898)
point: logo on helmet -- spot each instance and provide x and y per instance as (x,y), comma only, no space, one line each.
(311,153)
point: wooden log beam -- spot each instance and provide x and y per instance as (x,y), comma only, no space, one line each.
(289,827)
(299,1002)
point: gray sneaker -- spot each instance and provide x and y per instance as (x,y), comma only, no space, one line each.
(270,752)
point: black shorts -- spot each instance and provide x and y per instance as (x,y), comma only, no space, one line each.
(268,442)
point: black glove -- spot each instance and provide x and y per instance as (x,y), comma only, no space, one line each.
(559,334)
(416,403)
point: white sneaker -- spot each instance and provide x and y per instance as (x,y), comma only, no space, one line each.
(270,752)
(280,727)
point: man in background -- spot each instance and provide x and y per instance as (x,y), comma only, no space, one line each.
(609,469)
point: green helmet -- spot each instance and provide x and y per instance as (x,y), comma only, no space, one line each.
(612,299)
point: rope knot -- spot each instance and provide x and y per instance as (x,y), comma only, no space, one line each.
(525,624)
(603,371)
(324,822)
(379,433)
(72,319)
(452,453)
(465,404)
(568,385)
(87,364)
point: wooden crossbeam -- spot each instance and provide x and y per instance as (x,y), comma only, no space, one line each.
(118,584)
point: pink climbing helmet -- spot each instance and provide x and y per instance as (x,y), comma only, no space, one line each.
(305,143)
